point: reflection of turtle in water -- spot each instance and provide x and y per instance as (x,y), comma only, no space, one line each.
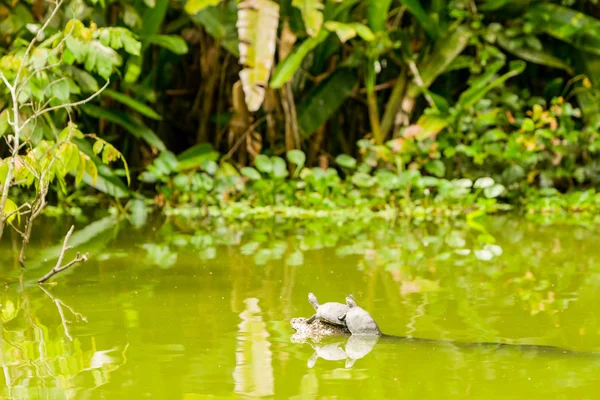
(358,320)
(359,346)
(328,312)
(330,352)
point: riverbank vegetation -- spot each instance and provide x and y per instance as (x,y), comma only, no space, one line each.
(258,108)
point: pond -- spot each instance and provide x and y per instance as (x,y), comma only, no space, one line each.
(190,310)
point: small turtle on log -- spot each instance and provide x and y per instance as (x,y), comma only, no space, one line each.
(358,320)
(328,312)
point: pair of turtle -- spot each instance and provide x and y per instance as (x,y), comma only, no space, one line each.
(356,319)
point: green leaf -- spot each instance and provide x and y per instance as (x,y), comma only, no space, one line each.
(84,80)
(363,180)
(416,9)
(251,173)
(60,90)
(91,171)
(431,125)
(257,31)
(80,169)
(136,128)
(566,24)
(77,48)
(98,147)
(311,14)
(324,100)
(220,23)
(493,191)
(196,157)
(528,125)
(483,183)
(10,207)
(101,59)
(153,18)
(3,171)
(173,43)
(70,156)
(132,103)
(445,51)
(377,13)
(193,6)
(532,55)
(346,32)
(476,92)
(436,167)
(296,157)
(263,163)
(4,122)
(279,167)
(346,161)
(103,183)
(288,67)
(133,69)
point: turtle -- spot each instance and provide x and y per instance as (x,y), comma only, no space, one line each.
(328,312)
(358,320)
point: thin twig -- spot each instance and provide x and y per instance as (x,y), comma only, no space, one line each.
(420,83)
(57,268)
(61,106)
(35,38)
(241,139)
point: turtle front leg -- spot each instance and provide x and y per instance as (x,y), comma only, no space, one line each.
(342,317)
(311,319)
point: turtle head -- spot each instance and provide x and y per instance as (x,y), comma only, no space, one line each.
(312,299)
(350,302)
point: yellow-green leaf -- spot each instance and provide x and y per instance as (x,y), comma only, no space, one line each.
(98,147)
(257,30)
(91,169)
(193,6)
(70,157)
(311,14)
(343,31)
(11,207)
(3,171)
(4,122)
(81,168)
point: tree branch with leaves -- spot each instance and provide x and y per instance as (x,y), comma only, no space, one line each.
(42,91)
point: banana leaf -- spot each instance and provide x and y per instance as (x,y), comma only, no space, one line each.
(571,26)
(257,30)
(325,99)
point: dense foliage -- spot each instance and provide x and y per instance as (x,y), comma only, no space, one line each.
(321,104)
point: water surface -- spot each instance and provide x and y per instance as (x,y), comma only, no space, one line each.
(187,311)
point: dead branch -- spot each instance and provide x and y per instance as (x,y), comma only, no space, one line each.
(57,268)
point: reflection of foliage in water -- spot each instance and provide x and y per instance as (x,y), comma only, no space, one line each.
(40,357)
(460,259)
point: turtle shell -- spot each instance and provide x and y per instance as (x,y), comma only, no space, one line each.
(360,322)
(330,312)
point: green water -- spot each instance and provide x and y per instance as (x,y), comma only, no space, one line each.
(184,311)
